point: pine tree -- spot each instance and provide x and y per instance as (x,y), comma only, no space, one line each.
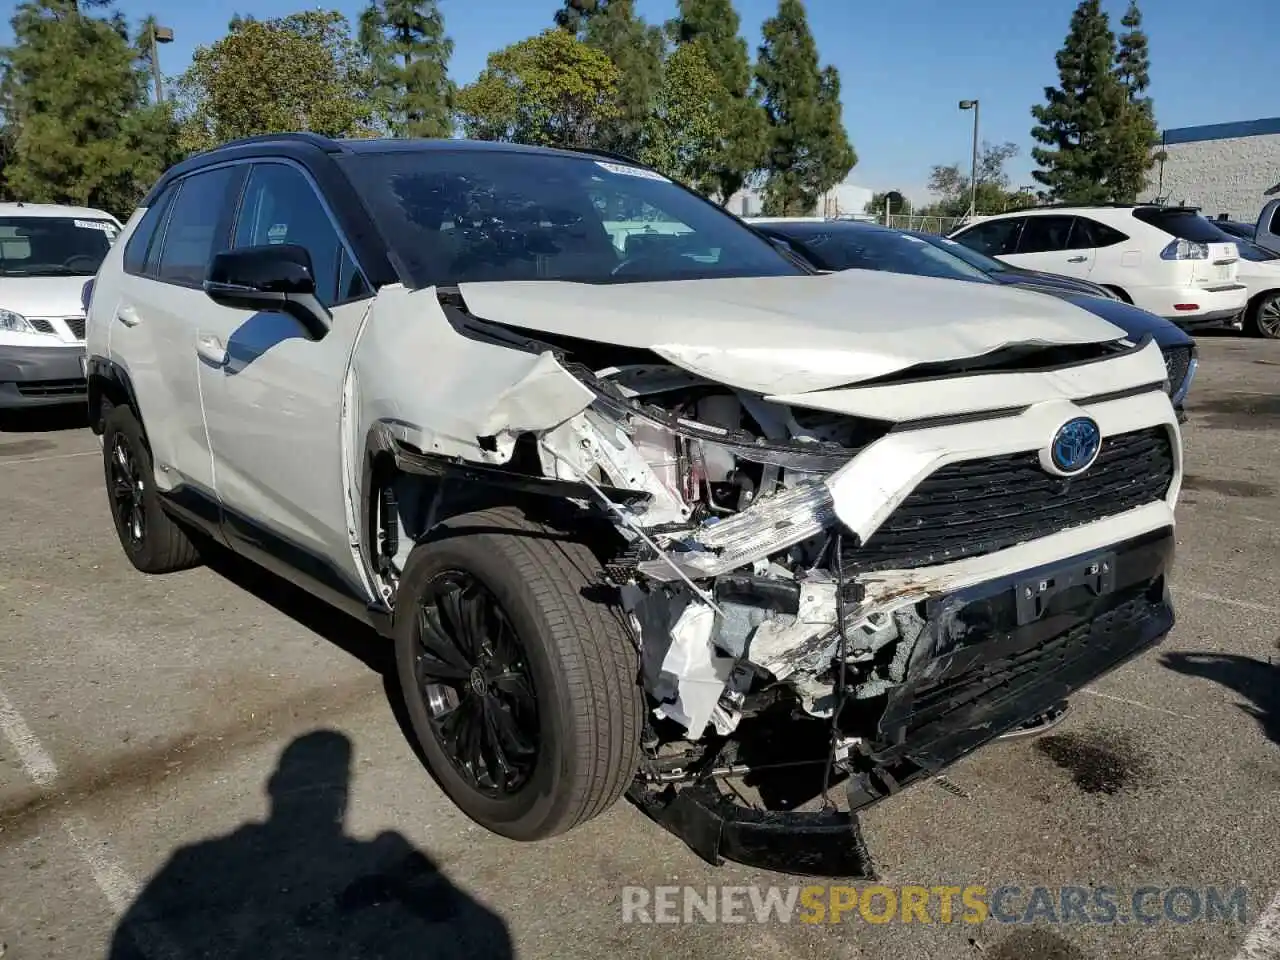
(409,53)
(1136,133)
(636,49)
(809,151)
(1077,120)
(714,24)
(79,125)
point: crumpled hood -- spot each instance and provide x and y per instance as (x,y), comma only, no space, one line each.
(794,334)
(43,296)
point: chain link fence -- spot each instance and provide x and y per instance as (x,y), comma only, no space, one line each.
(939,225)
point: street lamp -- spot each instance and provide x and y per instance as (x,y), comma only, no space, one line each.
(159,34)
(973,175)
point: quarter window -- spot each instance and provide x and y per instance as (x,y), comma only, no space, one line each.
(1091,233)
(280,206)
(194,233)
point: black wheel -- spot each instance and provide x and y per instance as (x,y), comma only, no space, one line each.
(151,540)
(521,685)
(1263,318)
(1119,293)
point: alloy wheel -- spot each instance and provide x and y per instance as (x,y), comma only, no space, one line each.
(473,676)
(127,489)
(1269,317)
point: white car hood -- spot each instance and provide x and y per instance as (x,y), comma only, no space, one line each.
(43,296)
(792,335)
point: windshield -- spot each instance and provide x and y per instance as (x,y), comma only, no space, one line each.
(458,216)
(970,256)
(53,246)
(834,246)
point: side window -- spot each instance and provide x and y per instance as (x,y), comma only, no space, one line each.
(1091,233)
(993,238)
(1045,235)
(1275,221)
(146,239)
(193,235)
(280,206)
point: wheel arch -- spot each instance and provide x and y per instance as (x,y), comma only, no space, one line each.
(109,385)
(1118,291)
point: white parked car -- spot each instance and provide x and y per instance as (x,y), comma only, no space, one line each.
(1170,261)
(47,254)
(640,511)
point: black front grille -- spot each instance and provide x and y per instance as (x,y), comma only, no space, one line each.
(40,325)
(51,388)
(980,506)
(76,326)
(1177,361)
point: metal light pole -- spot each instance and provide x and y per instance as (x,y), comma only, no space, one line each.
(159,35)
(973,175)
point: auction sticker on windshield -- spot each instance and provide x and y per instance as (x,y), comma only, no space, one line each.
(626,171)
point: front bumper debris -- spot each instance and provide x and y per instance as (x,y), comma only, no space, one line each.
(992,660)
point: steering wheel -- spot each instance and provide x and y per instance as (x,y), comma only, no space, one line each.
(90,262)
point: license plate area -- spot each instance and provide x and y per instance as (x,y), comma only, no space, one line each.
(1097,575)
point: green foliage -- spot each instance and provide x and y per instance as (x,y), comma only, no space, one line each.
(875,205)
(78,127)
(1078,121)
(686,126)
(1135,133)
(713,24)
(550,90)
(809,151)
(300,72)
(409,53)
(951,184)
(636,49)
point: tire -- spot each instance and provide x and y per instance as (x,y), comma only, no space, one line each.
(572,652)
(1263,318)
(150,538)
(1124,297)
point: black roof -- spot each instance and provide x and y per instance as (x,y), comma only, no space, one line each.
(808,227)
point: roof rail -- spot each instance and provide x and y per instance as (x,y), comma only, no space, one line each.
(608,154)
(316,140)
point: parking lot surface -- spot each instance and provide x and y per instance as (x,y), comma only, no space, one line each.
(216,731)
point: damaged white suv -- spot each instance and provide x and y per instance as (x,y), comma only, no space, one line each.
(645,505)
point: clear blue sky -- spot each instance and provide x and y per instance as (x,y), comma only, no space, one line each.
(903,65)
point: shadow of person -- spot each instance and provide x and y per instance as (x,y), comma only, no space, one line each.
(296,886)
(1251,678)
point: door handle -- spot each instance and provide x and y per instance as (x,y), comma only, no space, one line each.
(211,349)
(1076,259)
(128,316)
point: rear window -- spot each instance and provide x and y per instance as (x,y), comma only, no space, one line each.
(1184,224)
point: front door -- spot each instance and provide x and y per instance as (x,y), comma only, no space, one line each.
(273,398)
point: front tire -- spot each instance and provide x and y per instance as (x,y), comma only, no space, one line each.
(150,538)
(1263,318)
(521,685)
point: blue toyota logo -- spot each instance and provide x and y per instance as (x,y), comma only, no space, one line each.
(1075,446)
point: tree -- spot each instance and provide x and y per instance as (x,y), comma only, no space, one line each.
(78,125)
(875,205)
(714,25)
(409,55)
(300,72)
(550,89)
(808,149)
(950,183)
(1135,132)
(636,49)
(686,127)
(1076,122)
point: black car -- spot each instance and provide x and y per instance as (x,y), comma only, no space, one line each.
(846,245)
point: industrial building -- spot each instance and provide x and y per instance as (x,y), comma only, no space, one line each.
(1222,168)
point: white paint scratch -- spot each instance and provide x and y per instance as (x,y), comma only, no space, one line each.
(1263,939)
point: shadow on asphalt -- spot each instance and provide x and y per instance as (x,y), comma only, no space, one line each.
(297,886)
(1257,681)
(45,419)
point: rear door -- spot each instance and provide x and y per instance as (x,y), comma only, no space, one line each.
(1053,244)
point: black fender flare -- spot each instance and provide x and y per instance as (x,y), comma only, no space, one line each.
(110,382)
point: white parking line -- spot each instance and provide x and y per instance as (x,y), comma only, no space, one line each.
(1135,703)
(1263,940)
(1226,601)
(54,456)
(117,885)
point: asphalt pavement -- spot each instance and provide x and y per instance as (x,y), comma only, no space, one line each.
(213,737)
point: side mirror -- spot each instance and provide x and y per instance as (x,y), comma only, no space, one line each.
(271,277)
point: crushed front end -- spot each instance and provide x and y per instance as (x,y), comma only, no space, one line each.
(824,597)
